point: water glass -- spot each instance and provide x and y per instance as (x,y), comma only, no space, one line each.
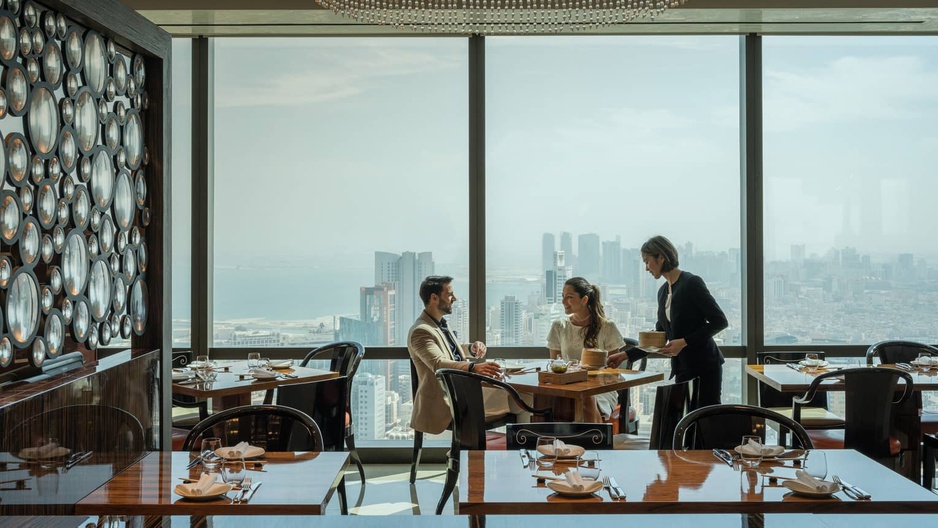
(815,464)
(811,362)
(588,465)
(210,461)
(201,361)
(233,472)
(253,358)
(546,453)
(750,451)
(263,363)
(750,482)
(923,361)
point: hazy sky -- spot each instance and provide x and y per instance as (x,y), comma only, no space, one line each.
(335,147)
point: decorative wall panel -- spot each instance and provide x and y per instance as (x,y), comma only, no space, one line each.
(74,206)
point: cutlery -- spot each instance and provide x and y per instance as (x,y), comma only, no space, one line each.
(608,486)
(793,366)
(251,493)
(245,488)
(724,456)
(851,490)
(618,490)
(194,462)
(77,459)
(541,476)
(905,366)
(525,458)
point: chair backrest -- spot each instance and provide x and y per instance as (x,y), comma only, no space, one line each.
(323,402)
(467,409)
(870,398)
(769,397)
(272,427)
(892,352)
(723,426)
(672,402)
(585,435)
(83,427)
(344,356)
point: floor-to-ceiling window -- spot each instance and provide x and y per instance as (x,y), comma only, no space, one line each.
(182,191)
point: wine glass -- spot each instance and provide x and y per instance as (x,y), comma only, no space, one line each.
(546,453)
(815,464)
(750,450)
(210,461)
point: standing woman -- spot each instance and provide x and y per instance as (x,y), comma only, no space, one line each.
(690,317)
(586,327)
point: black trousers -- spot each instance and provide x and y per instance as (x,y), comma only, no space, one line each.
(708,386)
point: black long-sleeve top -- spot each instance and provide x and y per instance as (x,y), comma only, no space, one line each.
(695,317)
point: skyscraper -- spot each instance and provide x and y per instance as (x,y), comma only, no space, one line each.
(553,288)
(379,307)
(588,262)
(405,272)
(612,261)
(512,317)
(368,406)
(566,245)
(548,246)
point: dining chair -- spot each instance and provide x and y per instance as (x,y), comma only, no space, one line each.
(905,352)
(467,409)
(722,426)
(184,401)
(815,415)
(585,435)
(275,428)
(672,402)
(869,397)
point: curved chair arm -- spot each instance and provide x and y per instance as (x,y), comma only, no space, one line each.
(816,383)
(880,349)
(512,392)
(299,417)
(691,419)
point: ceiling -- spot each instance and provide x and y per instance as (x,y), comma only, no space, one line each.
(191,18)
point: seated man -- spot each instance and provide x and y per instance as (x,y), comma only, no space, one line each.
(432,346)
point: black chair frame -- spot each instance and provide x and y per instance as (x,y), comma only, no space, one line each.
(894,351)
(585,435)
(730,423)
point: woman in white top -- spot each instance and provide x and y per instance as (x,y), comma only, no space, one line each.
(586,327)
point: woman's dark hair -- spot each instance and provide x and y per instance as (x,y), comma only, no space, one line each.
(433,284)
(595,306)
(659,246)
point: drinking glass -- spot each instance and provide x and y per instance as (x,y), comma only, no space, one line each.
(233,472)
(811,362)
(923,361)
(253,358)
(263,363)
(546,454)
(750,482)
(210,461)
(588,465)
(815,463)
(750,452)
(201,361)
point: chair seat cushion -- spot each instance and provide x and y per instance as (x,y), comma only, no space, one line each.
(813,416)
(495,441)
(630,441)
(834,439)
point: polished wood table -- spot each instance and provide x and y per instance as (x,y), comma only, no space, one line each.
(294,484)
(908,416)
(495,482)
(231,390)
(566,400)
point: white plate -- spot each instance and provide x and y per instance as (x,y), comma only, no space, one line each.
(512,367)
(181,376)
(649,349)
(820,364)
(32,453)
(284,364)
(767,451)
(573,451)
(264,375)
(562,488)
(217,490)
(803,489)
(197,364)
(250,452)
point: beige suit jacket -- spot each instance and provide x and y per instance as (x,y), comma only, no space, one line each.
(429,350)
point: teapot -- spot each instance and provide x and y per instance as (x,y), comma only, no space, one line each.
(558,366)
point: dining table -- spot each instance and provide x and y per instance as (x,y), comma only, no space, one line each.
(567,399)
(233,384)
(794,378)
(287,483)
(681,482)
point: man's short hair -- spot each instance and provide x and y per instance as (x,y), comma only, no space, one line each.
(433,284)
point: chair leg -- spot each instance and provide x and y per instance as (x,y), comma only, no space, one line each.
(452,475)
(343,499)
(929,452)
(353,454)
(418,450)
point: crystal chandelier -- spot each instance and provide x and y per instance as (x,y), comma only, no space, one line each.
(492,17)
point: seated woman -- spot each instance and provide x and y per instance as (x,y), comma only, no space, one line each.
(586,327)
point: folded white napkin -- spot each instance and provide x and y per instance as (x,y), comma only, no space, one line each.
(821,486)
(206,481)
(928,360)
(47,450)
(560,448)
(238,450)
(281,363)
(752,448)
(574,480)
(263,373)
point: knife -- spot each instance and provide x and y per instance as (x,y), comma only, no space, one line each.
(194,462)
(722,455)
(793,366)
(525,458)
(78,459)
(616,488)
(860,494)
(251,493)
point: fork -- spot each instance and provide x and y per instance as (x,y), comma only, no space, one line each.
(245,488)
(608,486)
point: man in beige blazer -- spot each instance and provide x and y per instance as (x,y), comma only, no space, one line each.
(432,346)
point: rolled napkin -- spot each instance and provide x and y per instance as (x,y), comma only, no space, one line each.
(206,481)
(753,448)
(560,448)
(263,373)
(821,486)
(46,450)
(574,480)
(238,450)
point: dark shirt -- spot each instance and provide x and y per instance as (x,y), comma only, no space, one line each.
(695,317)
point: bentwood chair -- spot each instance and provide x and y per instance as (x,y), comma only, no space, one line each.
(722,426)
(905,352)
(274,428)
(585,435)
(467,408)
(815,415)
(672,402)
(870,399)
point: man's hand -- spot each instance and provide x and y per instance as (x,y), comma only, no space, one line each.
(616,359)
(488,368)
(673,348)
(478,349)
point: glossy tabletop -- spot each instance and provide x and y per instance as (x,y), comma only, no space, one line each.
(785,379)
(495,482)
(598,382)
(293,484)
(235,381)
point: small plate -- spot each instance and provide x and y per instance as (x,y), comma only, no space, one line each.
(573,451)
(217,490)
(32,453)
(562,488)
(767,451)
(264,375)
(649,349)
(801,488)
(181,376)
(512,367)
(250,452)
(284,364)
(820,364)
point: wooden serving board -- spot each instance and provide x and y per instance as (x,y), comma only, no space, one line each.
(563,378)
